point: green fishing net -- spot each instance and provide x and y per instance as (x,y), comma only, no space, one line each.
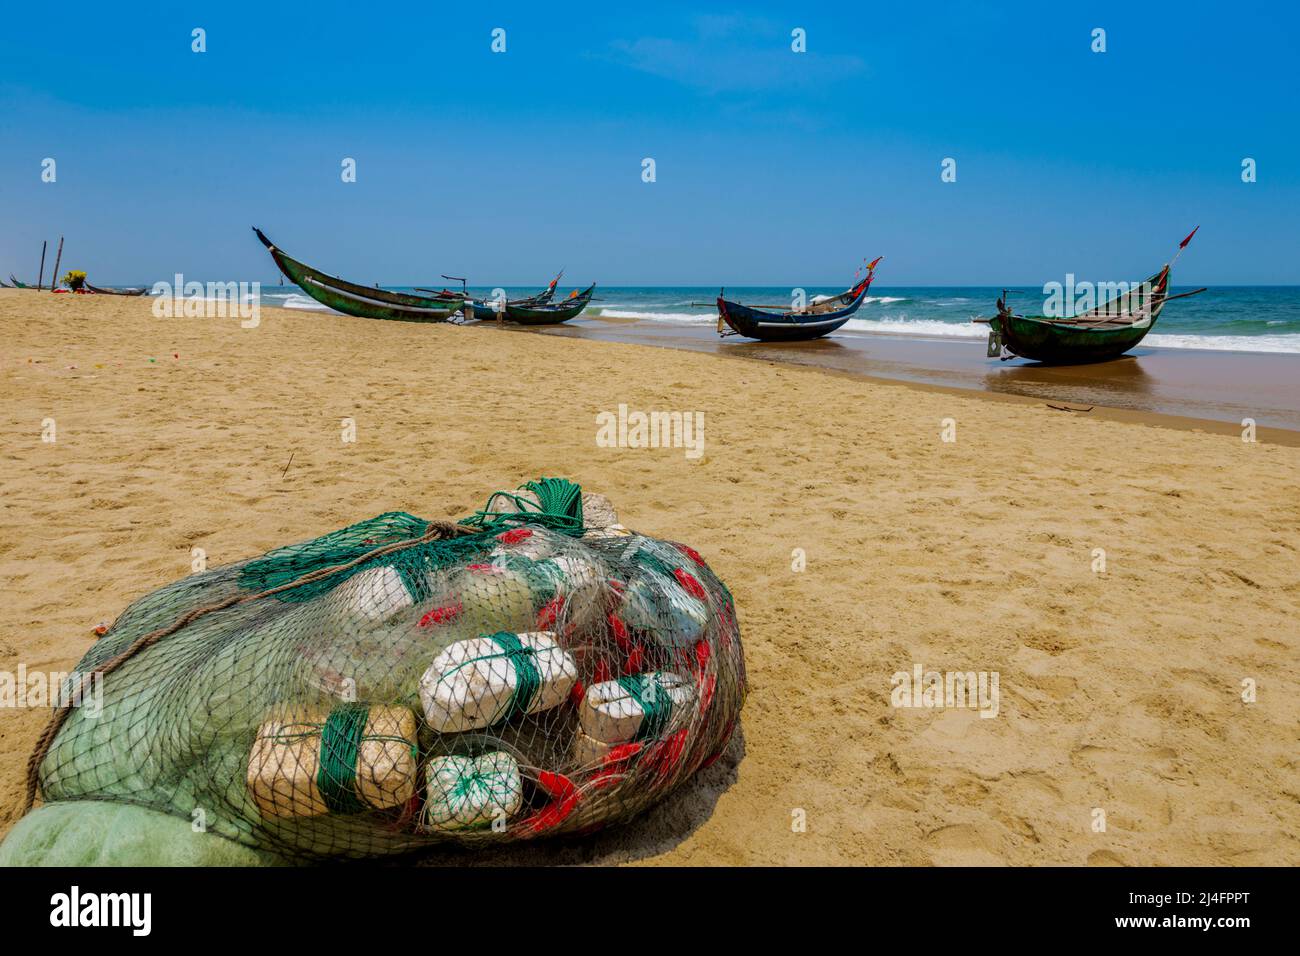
(531,671)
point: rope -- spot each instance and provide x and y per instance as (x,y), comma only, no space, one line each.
(436,530)
(340,739)
(558,507)
(340,742)
(656,704)
(528,680)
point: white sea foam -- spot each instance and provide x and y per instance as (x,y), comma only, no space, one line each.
(970,330)
(707,318)
(1226,343)
(927,327)
(293,301)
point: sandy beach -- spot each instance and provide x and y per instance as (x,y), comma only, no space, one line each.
(1120,690)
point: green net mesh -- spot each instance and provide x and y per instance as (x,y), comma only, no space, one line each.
(538,675)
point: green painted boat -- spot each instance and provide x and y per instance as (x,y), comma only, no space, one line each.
(549,313)
(485,310)
(17,284)
(1103,333)
(364,301)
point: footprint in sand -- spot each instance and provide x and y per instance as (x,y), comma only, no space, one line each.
(961,845)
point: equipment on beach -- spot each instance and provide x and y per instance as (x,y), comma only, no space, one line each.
(364,301)
(17,284)
(54,282)
(1102,333)
(534,669)
(818,318)
(444,292)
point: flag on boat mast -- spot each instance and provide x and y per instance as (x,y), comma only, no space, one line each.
(1183,245)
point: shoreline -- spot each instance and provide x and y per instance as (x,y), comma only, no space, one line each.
(1120,390)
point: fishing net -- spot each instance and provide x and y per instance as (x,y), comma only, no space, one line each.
(535,670)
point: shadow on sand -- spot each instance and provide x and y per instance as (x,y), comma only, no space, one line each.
(654,832)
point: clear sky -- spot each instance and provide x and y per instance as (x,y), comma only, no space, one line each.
(773,167)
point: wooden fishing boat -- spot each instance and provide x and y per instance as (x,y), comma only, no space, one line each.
(101,291)
(1103,333)
(548,312)
(18,284)
(819,318)
(359,300)
(485,309)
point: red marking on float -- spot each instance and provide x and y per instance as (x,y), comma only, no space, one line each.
(691,553)
(550,613)
(441,615)
(692,586)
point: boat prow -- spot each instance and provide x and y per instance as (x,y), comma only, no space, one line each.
(359,300)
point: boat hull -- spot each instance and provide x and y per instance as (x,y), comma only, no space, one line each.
(792,326)
(485,310)
(753,327)
(358,300)
(1042,342)
(1051,342)
(549,314)
(129,292)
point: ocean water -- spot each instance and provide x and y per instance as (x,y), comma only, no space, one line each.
(1228,318)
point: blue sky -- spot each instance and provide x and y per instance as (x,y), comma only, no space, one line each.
(773,168)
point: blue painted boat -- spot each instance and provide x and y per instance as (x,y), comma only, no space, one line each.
(812,322)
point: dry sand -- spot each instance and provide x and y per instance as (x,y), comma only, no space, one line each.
(1120,691)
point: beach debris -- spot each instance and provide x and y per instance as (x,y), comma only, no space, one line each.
(1067,408)
(403,682)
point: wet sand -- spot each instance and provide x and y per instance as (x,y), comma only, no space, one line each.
(1220,386)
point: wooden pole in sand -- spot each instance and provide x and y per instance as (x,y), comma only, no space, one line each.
(41,278)
(54,276)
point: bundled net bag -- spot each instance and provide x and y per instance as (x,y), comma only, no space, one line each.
(534,670)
